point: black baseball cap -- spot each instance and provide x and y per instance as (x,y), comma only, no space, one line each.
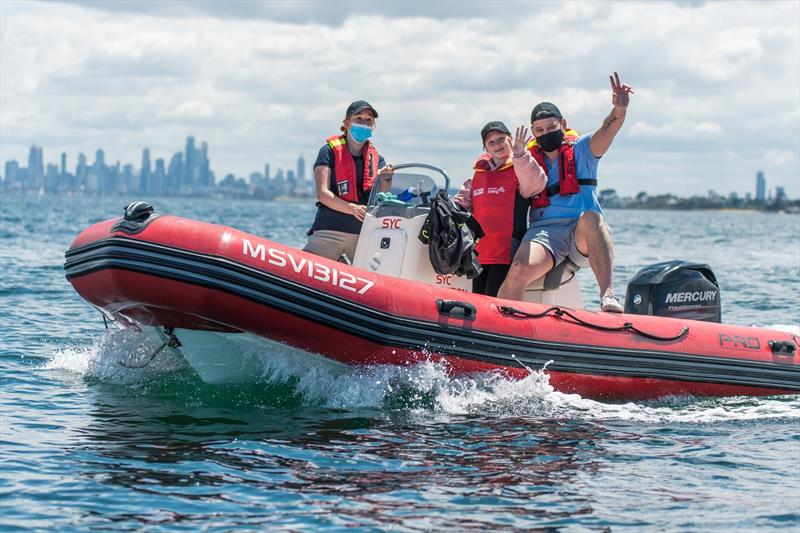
(359,106)
(494,125)
(545,110)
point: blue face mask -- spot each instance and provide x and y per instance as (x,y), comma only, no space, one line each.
(360,133)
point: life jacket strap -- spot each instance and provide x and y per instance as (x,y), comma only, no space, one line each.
(555,189)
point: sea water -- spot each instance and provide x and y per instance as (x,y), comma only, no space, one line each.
(88,444)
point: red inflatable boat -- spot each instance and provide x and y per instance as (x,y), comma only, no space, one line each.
(196,281)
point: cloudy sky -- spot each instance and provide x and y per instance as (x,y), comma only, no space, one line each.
(717,84)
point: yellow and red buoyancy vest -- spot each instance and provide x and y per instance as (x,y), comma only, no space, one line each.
(493,194)
(567,176)
(344,168)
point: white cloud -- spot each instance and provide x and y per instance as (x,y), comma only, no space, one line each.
(779,157)
(674,130)
(265,81)
(191,110)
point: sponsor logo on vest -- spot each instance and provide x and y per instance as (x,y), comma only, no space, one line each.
(477,192)
(344,187)
(497,190)
(689,297)
(313,270)
(737,341)
(637,299)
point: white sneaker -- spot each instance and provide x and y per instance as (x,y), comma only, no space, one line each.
(610,304)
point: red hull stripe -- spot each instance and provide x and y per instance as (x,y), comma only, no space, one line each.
(376,326)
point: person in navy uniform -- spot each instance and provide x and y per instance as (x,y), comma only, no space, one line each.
(345,170)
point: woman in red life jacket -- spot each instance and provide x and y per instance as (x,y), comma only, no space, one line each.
(346,168)
(498,195)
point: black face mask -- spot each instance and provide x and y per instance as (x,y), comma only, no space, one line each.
(551,141)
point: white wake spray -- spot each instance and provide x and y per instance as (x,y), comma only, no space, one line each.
(422,388)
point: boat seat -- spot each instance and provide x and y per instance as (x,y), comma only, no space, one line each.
(557,276)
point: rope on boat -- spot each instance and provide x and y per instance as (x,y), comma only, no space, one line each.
(561,313)
(172,341)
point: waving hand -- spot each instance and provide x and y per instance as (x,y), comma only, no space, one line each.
(521,140)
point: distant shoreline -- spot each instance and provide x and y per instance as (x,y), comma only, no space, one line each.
(792,207)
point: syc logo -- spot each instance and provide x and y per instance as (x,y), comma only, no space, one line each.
(391,223)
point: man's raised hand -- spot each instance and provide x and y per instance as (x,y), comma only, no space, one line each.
(620,92)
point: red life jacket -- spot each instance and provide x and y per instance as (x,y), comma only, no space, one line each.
(567,175)
(493,194)
(344,168)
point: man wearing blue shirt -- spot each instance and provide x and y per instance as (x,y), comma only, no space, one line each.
(566,219)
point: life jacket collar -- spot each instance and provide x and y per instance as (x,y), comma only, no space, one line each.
(345,168)
(568,183)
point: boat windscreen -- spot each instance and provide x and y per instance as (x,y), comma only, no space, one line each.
(404,190)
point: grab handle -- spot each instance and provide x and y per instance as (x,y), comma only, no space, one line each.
(782,348)
(456,309)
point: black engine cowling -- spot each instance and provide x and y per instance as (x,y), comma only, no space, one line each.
(677,289)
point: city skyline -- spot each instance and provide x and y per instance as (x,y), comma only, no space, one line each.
(189,173)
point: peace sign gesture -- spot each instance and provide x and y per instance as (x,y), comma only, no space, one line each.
(620,93)
(521,140)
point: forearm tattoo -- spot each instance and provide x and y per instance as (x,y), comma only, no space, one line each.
(609,122)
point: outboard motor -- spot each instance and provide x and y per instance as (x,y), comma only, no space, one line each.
(676,289)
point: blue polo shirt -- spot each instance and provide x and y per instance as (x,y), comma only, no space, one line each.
(571,206)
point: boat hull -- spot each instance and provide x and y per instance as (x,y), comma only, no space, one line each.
(190,275)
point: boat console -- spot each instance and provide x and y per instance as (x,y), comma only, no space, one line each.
(389,243)
(397,209)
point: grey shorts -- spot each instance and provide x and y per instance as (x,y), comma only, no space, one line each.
(332,244)
(558,238)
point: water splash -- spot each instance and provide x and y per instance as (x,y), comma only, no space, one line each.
(293,378)
(110,357)
(792,329)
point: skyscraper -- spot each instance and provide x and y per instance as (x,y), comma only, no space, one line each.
(51,178)
(206,178)
(761,187)
(95,181)
(12,177)
(190,178)
(81,171)
(301,169)
(196,169)
(174,174)
(128,182)
(35,168)
(158,178)
(145,173)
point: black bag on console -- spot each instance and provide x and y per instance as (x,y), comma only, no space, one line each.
(450,231)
